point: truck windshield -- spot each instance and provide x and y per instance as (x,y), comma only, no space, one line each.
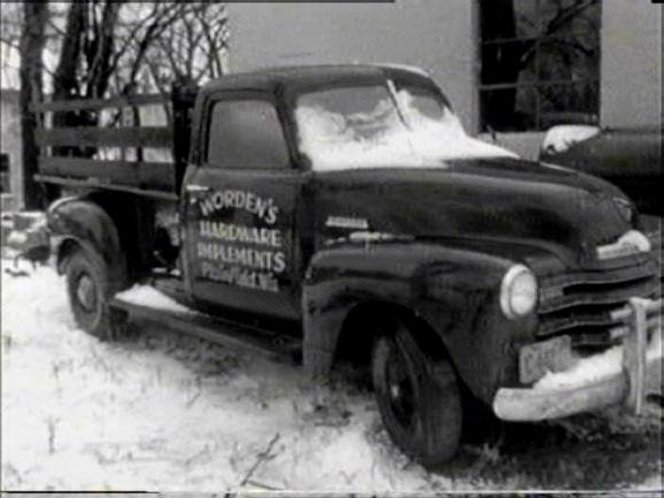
(382,126)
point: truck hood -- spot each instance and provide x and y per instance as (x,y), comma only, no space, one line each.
(503,200)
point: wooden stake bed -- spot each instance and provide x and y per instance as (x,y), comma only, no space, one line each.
(112,157)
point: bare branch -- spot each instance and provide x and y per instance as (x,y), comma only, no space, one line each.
(14,44)
(153,32)
(131,38)
(58,30)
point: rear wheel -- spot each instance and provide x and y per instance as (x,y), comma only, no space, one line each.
(91,285)
(418,398)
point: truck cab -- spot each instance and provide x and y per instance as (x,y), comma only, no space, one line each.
(348,203)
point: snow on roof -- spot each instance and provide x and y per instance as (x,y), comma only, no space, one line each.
(380,137)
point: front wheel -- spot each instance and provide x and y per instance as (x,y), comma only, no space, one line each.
(418,398)
(90,288)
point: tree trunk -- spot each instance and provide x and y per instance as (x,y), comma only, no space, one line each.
(99,59)
(83,69)
(65,83)
(32,46)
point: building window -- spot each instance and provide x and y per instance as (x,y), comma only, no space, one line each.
(540,63)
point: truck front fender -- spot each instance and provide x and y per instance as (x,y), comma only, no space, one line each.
(451,289)
(84,223)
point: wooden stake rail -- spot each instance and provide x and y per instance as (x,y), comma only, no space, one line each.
(97,104)
(91,136)
(77,155)
(115,172)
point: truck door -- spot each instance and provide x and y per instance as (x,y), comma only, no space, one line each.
(240,209)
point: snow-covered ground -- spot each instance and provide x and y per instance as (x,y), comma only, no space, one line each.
(158,412)
(161,413)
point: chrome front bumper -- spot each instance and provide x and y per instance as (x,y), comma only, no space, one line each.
(641,359)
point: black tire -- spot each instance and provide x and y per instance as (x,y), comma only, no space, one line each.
(91,285)
(418,398)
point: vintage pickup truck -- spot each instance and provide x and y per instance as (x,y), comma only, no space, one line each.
(341,213)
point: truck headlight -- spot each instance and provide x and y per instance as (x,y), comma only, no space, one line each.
(518,292)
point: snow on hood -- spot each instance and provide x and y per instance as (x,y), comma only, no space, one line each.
(401,136)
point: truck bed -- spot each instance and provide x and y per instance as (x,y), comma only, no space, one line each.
(116,155)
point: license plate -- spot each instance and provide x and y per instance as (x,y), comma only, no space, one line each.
(553,355)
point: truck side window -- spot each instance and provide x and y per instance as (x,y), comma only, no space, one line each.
(246,134)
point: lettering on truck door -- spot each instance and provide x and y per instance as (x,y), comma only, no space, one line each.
(240,204)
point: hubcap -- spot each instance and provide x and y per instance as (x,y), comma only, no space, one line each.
(400,390)
(86,293)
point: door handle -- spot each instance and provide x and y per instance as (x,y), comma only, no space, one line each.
(193,188)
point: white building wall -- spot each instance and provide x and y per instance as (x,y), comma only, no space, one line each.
(631,67)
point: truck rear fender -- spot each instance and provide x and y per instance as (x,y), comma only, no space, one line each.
(77,222)
(444,292)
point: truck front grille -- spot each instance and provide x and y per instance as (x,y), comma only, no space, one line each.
(587,306)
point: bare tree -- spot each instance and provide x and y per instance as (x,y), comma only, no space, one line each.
(31,47)
(109,46)
(11,25)
(97,48)
(83,69)
(191,49)
(112,47)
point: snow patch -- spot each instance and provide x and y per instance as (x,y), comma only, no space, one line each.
(89,415)
(146,295)
(595,368)
(560,138)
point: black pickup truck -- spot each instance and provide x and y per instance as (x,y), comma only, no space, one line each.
(340,213)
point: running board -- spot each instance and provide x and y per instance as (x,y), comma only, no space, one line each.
(218,330)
